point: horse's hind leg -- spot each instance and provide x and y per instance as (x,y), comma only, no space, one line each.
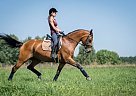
(23,57)
(14,69)
(32,65)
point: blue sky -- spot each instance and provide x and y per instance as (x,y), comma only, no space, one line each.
(113,21)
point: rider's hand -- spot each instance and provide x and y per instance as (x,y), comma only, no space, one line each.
(59,34)
(58,30)
(62,32)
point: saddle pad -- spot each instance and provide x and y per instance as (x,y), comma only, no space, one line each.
(46,45)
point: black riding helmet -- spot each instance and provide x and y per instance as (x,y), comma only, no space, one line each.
(52,10)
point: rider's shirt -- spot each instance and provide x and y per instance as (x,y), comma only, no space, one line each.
(51,28)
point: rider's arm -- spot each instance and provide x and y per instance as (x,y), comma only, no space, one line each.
(52,24)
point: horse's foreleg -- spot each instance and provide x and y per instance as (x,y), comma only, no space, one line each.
(32,65)
(73,63)
(61,65)
(83,71)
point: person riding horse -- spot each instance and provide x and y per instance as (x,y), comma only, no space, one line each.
(55,31)
(32,49)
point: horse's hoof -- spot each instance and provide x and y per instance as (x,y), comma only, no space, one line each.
(39,78)
(9,79)
(88,78)
(54,79)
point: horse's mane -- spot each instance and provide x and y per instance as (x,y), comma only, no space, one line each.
(75,31)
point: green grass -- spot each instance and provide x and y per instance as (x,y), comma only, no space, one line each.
(113,81)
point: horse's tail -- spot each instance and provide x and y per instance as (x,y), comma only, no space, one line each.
(11,41)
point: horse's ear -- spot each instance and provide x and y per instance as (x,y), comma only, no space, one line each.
(91,31)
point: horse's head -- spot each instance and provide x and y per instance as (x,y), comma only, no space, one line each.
(87,41)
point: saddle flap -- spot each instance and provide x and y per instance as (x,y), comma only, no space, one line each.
(46,45)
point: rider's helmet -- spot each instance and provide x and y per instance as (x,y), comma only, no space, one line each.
(52,10)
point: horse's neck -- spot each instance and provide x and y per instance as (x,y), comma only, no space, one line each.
(77,35)
(72,39)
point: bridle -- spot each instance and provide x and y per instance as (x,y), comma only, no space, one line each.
(87,43)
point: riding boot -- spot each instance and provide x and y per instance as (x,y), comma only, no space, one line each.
(53,53)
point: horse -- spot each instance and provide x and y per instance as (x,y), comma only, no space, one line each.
(31,50)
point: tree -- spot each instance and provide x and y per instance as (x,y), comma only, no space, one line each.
(130,60)
(8,55)
(85,58)
(38,38)
(28,38)
(107,57)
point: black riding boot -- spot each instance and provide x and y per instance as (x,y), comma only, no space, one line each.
(53,53)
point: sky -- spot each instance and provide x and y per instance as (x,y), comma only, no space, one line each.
(113,21)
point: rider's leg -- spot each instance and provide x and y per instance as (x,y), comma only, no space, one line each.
(55,41)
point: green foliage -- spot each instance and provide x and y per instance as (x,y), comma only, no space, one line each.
(8,55)
(107,57)
(38,38)
(28,38)
(115,81)
(85,58)
(130,60)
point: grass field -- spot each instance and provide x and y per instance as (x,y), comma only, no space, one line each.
(107,81)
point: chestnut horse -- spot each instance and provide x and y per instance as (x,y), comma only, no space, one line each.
(32,50)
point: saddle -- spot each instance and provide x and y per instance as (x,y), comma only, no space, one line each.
(48,43)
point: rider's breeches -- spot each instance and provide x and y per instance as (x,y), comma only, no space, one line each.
(55,39)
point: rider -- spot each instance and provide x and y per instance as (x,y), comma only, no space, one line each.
(55,30)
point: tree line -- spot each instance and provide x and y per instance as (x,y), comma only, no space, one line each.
(9,55)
